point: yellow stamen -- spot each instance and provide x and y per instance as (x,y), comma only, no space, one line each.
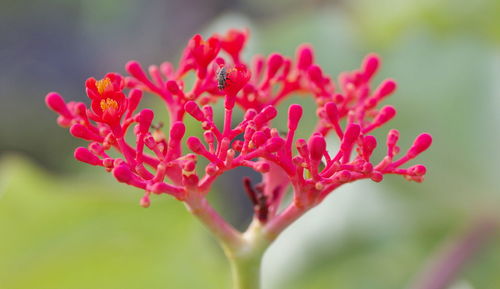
(102,85)
(108,103)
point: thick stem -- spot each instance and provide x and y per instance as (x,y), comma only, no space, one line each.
(229,237)
(245,261)
(244,251)
(245,270)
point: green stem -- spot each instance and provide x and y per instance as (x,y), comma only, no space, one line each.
(245,261)
(245,271)
(244,251)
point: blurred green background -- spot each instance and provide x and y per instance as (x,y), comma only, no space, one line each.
(65,225)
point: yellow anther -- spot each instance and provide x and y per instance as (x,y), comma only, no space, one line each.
(109,104)
(102,84)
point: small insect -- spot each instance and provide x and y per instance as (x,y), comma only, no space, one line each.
(222,78)
(157,126)
(158,134)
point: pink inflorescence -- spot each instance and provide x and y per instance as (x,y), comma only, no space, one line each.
(349,108)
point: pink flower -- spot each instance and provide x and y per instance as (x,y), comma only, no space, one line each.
(349,108)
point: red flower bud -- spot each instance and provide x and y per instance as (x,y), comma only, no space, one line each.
(145,119)
(124,175)
(315,74)
(195,145)
(55,102)
(80,131)
(194,110)
(369,144)
(371,64)
(305,57)
(177,131)
(387,87)
(421,143)
(274,62)
(84,155)
(172,86)
(350,136)
(267,114)
(417,170)
(294,115)
(317,147)
(258,138)
(135,96)
(275,144)
(332,112)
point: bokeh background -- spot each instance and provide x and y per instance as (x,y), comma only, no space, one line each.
(65,225)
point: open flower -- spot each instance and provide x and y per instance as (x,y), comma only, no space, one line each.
(108,100)
(233,43)
(203,52)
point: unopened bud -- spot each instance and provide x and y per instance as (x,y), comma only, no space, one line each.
(317,147)
(421,143)
(294,115)
(84,155)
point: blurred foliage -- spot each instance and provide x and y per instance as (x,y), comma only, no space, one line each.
(87,232)
(383,21)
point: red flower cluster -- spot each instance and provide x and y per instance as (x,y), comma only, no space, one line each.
(155,163)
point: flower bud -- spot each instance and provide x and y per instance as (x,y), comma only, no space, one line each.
(258,138)
(294,115)
(195,145)
(417,170)
(274,62)
(55,102)
(343,176)
(145,201)
(268,113)
(387,87)
(350,136)
(84,155)
(369,145)
(305,57)
(134,68)
(134,97)
(317,147)
(172,86)
(194,110)
(124,175)
(145,119)
(177,131)
(315,74)
(302,148)
(384,115)
(371,64)
(332,112)
(81,131)
(275,144)
(377,177)
(421,143)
